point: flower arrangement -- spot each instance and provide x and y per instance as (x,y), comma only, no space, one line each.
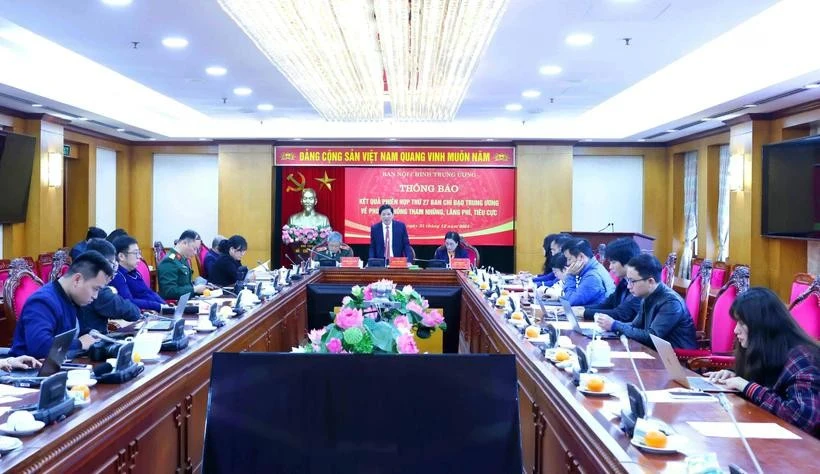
(305,235)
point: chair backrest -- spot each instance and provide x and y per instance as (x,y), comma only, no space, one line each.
(59,266)
(806,309)
(472,253)
(698,293)
(801,282)
(145,273)
(668,271)
(203,252)
(720,275)
(45,262)
(159,252)
(696,263)
(21,284)
(722,335)
(5,267)
(600,254)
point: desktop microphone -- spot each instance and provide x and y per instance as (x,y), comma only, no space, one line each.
(102,369)
(268,270)
(724,402)
(625,342)
(295,276)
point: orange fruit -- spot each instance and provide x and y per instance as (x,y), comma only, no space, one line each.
(517,315)
(206,293)
(136,357)
(655,439)
(595,384)
(533,331)
(82,389)
(561,356)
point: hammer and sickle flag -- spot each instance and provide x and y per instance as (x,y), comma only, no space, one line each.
(299,185)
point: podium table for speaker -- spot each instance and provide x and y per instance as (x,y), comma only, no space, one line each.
(645,242)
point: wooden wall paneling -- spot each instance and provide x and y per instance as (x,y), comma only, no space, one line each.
(78,201)
(245,197)
(196,412)
(141,201)
(44,219)
(543,200)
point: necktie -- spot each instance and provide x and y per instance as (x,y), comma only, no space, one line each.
(387,242)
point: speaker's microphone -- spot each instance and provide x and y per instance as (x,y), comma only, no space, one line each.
(98,335)
(290,259)
(625,342)
(102,369)
(724,402)
(268,270)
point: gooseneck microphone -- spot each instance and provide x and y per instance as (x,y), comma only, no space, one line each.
(625,342)
(268,270)
(724,402)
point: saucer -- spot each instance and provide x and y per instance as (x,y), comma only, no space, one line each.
(88,383)
(590,393)
(8,443)
(82,403)
(150,358)
(603,366)
(205,329)
(672,446)
(35,427)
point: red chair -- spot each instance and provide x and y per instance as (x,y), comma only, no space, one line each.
(721,342)
(668,271)
(720,274)
(21,284)
(806,309)
(159,252)
(5,266)
(697,294)
(60,264)
(696,263)
(45,262)
(203,252)
(144,271)
(801,283)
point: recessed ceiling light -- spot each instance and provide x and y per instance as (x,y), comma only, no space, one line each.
(488,139)
(642,139)
(216,71)
(671,130)
(550,70)
(117,3)
(243,91)
(174,42)
(749,106)
(265,107)
(120,129)
(297,139)
(152,139)
(203,139)
(37,105)
(579,39)
(812,86)
(391,139)
(513,107)
(531,94)
(82,119)
(706,119)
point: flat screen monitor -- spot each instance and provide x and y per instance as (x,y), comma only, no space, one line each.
(16,164)
(362,414)
(791,189)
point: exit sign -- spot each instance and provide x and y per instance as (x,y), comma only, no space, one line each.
(66,150)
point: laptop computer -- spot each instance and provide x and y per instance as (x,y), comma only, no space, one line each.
(587,332)
(56,356)
(670,361)
(544,313)
(167,324)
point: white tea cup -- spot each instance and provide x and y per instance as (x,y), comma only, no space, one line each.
(78,376)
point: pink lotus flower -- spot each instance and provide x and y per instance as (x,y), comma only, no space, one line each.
(346,300)
(432,318)
(415,307)
(315,335)
(349,318)
(334,345)
(406,344)
(425,304)
(403,324)
(367,293)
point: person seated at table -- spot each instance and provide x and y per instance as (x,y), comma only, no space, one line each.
(452,248)
(19,363)
(776,361)
(80,247)
(392,232)
(213,254)
(587,282)
(228,268)
(173,272)
(558,263)
(53,308)
(621,304)
(108,304)
(662,311)
(551,246)
(115,234)
(127,280)
(332,249)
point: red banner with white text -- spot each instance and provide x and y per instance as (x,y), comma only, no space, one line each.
(477,203)
(471,157)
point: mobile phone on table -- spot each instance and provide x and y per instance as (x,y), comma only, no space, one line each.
(72,366)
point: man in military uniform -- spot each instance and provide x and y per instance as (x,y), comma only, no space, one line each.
(333,248)
(173,272)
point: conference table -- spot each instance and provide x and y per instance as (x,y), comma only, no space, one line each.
(155,423)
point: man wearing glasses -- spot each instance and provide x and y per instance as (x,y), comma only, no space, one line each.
(663,313)
(128,281)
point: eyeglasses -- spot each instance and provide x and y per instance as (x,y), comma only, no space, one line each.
(630,281)
(138,253)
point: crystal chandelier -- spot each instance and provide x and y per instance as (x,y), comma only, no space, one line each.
(344,55)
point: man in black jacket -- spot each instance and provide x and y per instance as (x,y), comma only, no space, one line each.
(621,305)
(663,313)
(108,305)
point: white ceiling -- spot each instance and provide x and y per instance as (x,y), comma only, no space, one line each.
(530,35)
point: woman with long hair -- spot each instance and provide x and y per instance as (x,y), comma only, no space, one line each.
(551,246)
(775,360)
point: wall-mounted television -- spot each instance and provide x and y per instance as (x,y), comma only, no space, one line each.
(791,189)
(16,163)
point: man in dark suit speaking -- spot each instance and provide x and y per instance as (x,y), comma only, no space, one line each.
(392,232)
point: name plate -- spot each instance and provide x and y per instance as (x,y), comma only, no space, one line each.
(350,262)
(460,263)
(398,262)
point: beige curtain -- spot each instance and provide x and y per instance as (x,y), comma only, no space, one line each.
(690,212)
(723,205)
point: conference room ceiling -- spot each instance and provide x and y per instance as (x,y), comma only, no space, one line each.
(624,85)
